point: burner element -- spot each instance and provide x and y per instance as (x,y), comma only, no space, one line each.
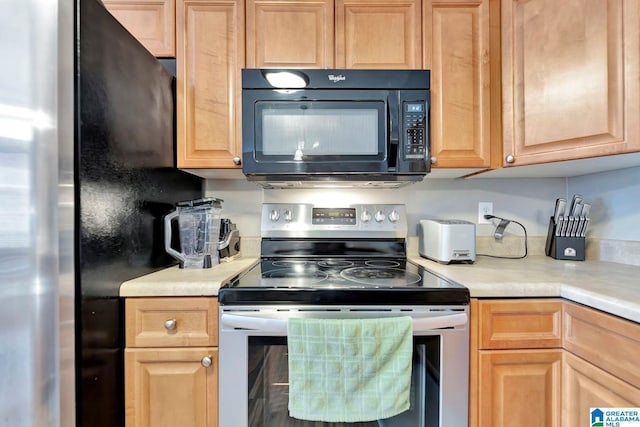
(382,263)
(380,276)
(292,278)
(335,263)
(289,263)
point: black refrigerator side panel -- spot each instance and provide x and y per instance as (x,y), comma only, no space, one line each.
(125,182)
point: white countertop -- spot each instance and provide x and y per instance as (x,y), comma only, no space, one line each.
(610,287)
(175,281)
(607,286)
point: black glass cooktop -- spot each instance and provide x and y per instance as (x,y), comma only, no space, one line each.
(341,281)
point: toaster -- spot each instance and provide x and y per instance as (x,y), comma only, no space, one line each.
(447,240)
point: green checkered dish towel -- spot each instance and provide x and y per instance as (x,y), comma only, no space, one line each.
(349,370)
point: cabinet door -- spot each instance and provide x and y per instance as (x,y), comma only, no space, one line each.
(609,342)
(520,388)
(171,387)
(586,386)
(570,79)
(210,55)
(290,33)
(378,34)
(457,50)
(152,22)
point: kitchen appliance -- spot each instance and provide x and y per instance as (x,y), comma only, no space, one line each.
(126,182)
(347,262)
(229,244)
(324,128)
(199,230)
(447,240)
(87,173)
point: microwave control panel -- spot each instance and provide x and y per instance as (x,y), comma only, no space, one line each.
(414,120)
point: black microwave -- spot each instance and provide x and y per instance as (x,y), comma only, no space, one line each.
(324,126)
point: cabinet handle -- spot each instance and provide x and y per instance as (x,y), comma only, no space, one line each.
(237,161)
(170,324)
(509,159)
(206,361)
(434,160)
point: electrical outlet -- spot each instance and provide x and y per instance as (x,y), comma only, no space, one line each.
(484,208)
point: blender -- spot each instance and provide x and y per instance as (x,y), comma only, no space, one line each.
(199,230)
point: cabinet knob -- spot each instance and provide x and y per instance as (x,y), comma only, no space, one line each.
(509,159)
(434,160)
(237,161)
(170,324)
(206,361)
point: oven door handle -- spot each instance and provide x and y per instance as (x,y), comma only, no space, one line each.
(420,324)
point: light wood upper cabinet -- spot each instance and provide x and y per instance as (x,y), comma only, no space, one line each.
(334,34)
(570,79)
(378,34)
(210,55)
(458,49)
(290,33)
(152,22)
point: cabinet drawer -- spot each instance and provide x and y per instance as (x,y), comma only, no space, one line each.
(171,322)
(530,323)
(609,342)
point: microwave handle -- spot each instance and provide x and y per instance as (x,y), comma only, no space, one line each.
(262,324)
(394,121)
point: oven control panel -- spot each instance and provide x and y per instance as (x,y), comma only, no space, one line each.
(353,221)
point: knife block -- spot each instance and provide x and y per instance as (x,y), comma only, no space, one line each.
(565,248)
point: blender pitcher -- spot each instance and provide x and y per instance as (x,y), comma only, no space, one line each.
(199,230)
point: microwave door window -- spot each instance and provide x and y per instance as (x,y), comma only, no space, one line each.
(320,133)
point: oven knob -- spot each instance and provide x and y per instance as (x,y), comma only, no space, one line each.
(274,216)
(394,216)
(365,216)
(380,216)
(288,215)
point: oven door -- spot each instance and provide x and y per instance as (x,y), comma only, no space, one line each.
(253,368)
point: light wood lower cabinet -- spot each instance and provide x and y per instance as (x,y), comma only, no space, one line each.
(517,354)
(520,388)
(546,362)
(171,387)
(587,386)
(171,362)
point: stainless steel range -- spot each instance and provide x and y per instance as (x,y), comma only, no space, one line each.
(347,262)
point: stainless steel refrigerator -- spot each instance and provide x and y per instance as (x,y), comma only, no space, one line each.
(87,139)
